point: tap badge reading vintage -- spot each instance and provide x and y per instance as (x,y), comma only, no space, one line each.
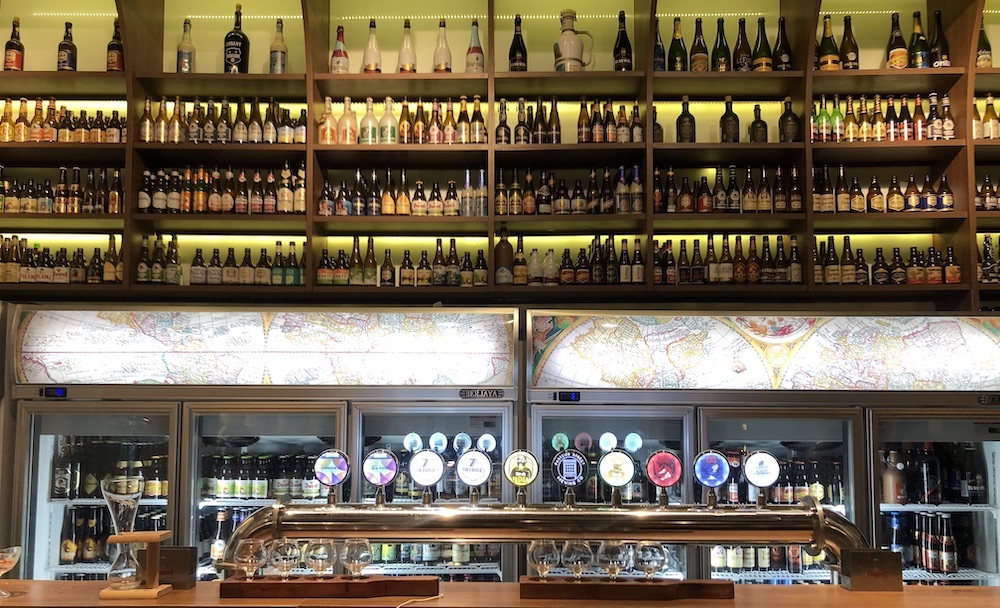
(569,468)
(663,468)
(474,468)
(616,468)
(761,469)
(380,467)
(520,468)
(711,468)
(426,467)
(332,468)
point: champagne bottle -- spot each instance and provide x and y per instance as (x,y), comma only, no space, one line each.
(407,62)
(984,53)
(742,56)
(442,52)
(722,59)
(782,57)
(371,61)
(185,51)
(829,56)
(475,60)
(677,56)
(762,60)
(896,55)
(623,48)
(659,51)
(940,56)
(699,50)
(339,61)
(848,47)
(518,55)
(919,50)
(236,47)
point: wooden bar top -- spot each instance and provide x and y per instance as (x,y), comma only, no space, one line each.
(69,594)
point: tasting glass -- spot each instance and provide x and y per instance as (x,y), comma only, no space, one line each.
(250,556)
(8,559)
(355,555)
(285,555)
(650,557)
(543,555)
(320,555)
(613,557)
(577,556)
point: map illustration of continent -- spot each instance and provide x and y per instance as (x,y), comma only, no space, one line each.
(770,353)
(299,348)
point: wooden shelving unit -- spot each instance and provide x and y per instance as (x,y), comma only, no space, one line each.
(144,28)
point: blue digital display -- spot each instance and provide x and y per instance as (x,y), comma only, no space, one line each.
(569,396)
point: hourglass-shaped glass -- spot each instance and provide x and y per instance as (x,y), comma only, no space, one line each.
(122,495)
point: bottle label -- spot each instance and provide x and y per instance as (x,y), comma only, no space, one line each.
(233,55)
(66,61)
(718,556)
(829,62)
(699,62)
(898,59)
(984,58)
(67,551)
(896,202)
(116,61)
(13,60)
(278,61)
(184,59)
(763,64)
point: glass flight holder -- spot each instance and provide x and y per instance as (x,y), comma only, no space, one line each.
(405,569)
(963,574)
(816,576)
(886,507)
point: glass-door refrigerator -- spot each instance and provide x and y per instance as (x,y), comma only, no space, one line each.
(63,452)
(449,429)
(934,488)
(821,454)
(240,456)
(597,428)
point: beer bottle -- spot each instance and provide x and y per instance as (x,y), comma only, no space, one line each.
(849,47)
(896,54)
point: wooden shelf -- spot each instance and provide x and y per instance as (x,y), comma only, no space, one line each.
(63,222)
(580,224)
(55,154)
(216,223)
(987,219)
(987,80)
(914,221)
(702,154)
(64,85)
(569,155)
(569,86)
(258,155)
(401,225)
(987,150)
(400,86)
(422,156)
(886,81)
(670,223)
(284,87)
(886,153)
(714,86)
(422,295)
(890,292)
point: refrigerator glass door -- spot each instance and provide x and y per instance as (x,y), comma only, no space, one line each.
(639,431)
(450,430)
(935,485)
(816,458)
(246,458)
(66,522)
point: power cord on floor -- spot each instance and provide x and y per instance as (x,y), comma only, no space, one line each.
(420,599)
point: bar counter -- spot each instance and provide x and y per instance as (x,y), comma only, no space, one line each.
(66,594)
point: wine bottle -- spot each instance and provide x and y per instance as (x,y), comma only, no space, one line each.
(762,60)
(503,129)
(829,57)
(984,53)
(758,128)
(896,55)
(742,56)
(685,123)
(729,124)
(339,61)
(659,51)
(371,61)
(782,57)
(185,51)
(66,54)
(699,49)
(940,56)
(518,56)
(919,50)
(13,58)
(623,48)
(475,60)
(677,56)
(407,62)
(442,52)
(848,47)
(236,47)
(722,59)
(279,51)
(116,51)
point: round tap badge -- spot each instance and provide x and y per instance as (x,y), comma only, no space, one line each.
(438,442)
(616,468)
(426,468)
(413,443)
(462,443)
(633,441)
(560,442)
(711,468)
(486,442)
(474,468)
(761,469)
(664,468)
(583,442)
(607,442)
(380,467)
(332,467)
(520,468)
(570,468)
